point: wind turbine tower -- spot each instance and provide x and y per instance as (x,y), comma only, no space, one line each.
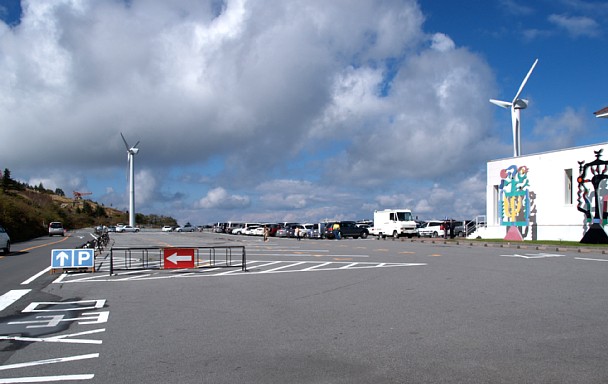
(516,106)
(131,151)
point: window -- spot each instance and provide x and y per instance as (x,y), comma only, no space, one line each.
(568,185)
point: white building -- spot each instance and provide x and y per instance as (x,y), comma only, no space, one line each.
(539,194)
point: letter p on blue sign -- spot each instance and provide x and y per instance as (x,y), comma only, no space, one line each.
(73,258)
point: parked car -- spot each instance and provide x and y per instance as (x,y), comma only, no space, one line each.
(317,231)
(250,230)
(167,228)
(464,228)
(347,229)
(289,230)
(126,228)
(432,228)
(186,228)
(272,229)
(56,228)
(257,231)
(5,241)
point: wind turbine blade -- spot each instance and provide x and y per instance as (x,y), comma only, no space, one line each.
(135,146)
(503,104)
(125,140)
(523,83)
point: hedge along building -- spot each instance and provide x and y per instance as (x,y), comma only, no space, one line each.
(542,197)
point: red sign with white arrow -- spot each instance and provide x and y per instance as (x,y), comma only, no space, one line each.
(176,258)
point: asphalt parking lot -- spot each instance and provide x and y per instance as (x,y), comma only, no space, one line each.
(342,311)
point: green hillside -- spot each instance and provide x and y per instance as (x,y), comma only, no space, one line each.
(26,211)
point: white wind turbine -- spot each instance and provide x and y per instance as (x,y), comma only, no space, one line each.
(131,151)
(516,106)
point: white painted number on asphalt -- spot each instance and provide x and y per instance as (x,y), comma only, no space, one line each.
(50,315)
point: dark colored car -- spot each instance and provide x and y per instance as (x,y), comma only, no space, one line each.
(273,229)
(347,229)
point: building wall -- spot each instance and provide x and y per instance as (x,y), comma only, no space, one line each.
(552,185)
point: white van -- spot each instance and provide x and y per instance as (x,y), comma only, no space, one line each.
(393,222)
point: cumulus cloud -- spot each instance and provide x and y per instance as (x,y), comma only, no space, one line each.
(282,103)
(220,198)
(442,43)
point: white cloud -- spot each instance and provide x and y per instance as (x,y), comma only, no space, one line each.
(557,132)
(254,96)
(442,43)
(220,198)
(576,25)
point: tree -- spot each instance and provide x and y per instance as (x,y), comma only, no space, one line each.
(59,192)
(6,179)
(100,211)
(86,208)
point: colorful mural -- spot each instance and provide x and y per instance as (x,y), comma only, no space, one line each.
(514,202)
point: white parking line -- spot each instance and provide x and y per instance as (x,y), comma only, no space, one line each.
(44,379)
(589,259)
(49,361)
(283,267)
(317,266)
(11,296)
(26,282)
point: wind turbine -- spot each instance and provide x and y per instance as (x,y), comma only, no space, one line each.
(131,151)
(516,106)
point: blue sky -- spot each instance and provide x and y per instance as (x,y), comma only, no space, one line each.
(292,110)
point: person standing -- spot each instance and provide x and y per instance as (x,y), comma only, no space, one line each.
(336,230)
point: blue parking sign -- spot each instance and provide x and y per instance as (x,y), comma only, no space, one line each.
(72,258)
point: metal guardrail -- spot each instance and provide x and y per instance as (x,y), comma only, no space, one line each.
(132,258)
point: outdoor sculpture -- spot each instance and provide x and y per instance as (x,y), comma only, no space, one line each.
(599,169)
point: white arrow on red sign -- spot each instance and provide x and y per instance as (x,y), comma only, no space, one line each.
(176,258)
(179,257)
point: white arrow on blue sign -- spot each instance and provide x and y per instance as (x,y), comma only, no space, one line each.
(72,258)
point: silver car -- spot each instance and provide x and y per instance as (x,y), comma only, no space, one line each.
(5,241)
(56,228)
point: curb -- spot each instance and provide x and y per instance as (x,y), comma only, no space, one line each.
(536,247)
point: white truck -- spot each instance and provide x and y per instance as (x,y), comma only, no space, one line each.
(393,222)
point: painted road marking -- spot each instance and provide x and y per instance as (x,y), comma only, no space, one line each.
(47,379)
(255,267)
(44,245)
(50,316)
(589,259)
(66,339)
(283,267)
(49,361)
(534,256)
(54,320)
(12,296)
(26,282)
